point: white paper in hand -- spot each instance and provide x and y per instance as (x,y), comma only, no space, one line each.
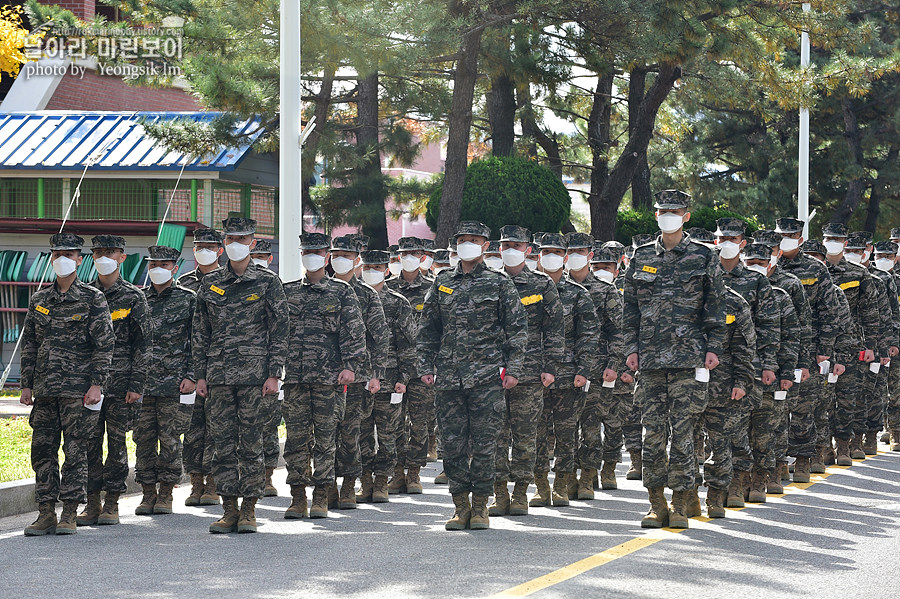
(780,395)
(396,398)
(824,367)
(280,390)
(702,374)
(798,375)
(832,378)
(874,367)
(95,407)
(609,384)
(188,399)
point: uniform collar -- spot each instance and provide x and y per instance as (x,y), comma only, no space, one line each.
(250,274)
(72,295)
(322,284)
(681,247)
(112,288)
(479,267)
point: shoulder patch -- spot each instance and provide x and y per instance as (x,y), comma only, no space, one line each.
(849,285)
(120,314)
(420,307)
(252,298)
(532,299)
(218,290)
(729,319)
(808,282)
(445,289)
(41,309)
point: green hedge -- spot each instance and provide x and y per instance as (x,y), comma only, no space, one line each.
(634,222)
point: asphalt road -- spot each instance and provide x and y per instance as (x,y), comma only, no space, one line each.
(837,538)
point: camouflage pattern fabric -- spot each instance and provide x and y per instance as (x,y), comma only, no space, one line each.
(191,280)
(378,435)
(546,333)
(310,417)
(169,352)
(158,440)
(271,414)
(756,289)
(52,418)
(412,442)
(347,461)
(235,420)
(518,431)
(131,325)
(582,330)
(820,295)
(794,288)
(198,448)
(115,419)
(562,408)
(600,424)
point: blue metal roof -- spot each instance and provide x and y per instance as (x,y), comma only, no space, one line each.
(57,140)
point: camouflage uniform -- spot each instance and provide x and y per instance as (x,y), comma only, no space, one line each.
(889,338)
(67,346)
(632,430)
(788,350)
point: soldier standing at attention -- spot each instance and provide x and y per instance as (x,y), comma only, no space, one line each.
(67,348)
(674,328)
(471,344)
(156,433)
(128,308)
(239,347)
(882,265)
(197,451)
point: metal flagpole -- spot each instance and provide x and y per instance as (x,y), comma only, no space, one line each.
(803,179)
(290,179)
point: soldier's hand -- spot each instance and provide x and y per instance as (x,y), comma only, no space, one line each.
(884,361)
(187,386)
(894,351)
(547,379)
(804,375)
(839,369)
(737,393)
(428,379)
(869,355)
(580,381)
(609,375)
(627,378)
(510,381)
(201,388)
(820,358)
(26,398)
(270,387)
(399,388)
(132,397)
(768,377)
(632,361)
(374,386)
(92,397)
(786,384)
(712,360)
(345,377)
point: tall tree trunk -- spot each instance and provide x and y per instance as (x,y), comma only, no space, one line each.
(460,124)
(527,119)
(598,137)
(502,115)
(310,148)
(879,188)
(375,224)
(856,186)
(641,195)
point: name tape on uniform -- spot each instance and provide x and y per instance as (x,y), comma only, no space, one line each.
(650,269)
(446,290)
(218,290)
(42,310)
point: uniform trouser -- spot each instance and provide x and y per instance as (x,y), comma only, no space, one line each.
(719,420)
(310,415)
(115,419)
(754,441)
(412,442)
(632,429)
(846,391)
(781,419)
(271,413)
(378,433)
(878,410)
(53,419)
(347,459)
(803,401)
(562,407)
(524,404)
(470,421)
(157,437)
(867,414)
(235,420)
(198,448)
(670,400)
(892,413)
(824,408)
(601,428)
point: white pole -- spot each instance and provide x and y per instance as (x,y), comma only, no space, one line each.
(290,210)
(803,179)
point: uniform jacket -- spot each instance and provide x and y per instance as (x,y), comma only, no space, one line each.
(169,352)
(128,309)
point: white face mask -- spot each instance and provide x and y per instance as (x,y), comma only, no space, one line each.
(341,265)
(237,251)
(494,262)
(834,247)
(160,276)
(577,261)
(64,266)
(205,257)
(773,259)
(758,268)
(551,262)
(261,262)
(394,268)
(512,257)
(853,257)
(789,245)
(105,266)
(866,255)
(729,250)
(884,264)
(410,263)
(531,263)
(604,275)
(454,260)
(427,262)
(468,250)
(439,269)
(312,262)
(669,223)
(371,277)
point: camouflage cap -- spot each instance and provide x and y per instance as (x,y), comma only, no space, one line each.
(813,246)
(66,241)
(493,248)
(614,244)
(442,256)
(834,230)
(606,254)
(535,248)
(700,234)
(207,236)
(886,247)
(238,225)
(100,242)
(315,241)
(616,248)
(757,251)
(346,243)
(362,239)
(375,257)
(428,246)
(515,233)
(394,250)
(857,241)
(553,240)
(408,244)
(730,227)
(451,244)
(767,236)
(895,233)
(163,252)
(536,238)
(789,225)
(263,246)
(670,199)
(641,239)
(579,240)
(629,252)
(471,227)
(868,235)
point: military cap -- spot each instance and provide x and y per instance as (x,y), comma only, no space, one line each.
(535,248)
(207,236)
(789,225)
(579,240)
(163,252)
(408,244)
(428,245)
(66,241)
(834,230)
(857,241)
(315,241)
(616,248)
(471,227)
(100,242)
(442,256)
(629,252)
(671,199)
(767,236)
(263,246)
(813,246)
(451,244)
(868,235)
(362,239)
(886,247)
(515,233)
(238,225)
(895,233)
(493,247)
(700,234)
(346,243)
(641,239)
(730,227)
(553,240)
(614,244)
(536,238)
(394,250)
(606,254)
(375,257)
(757,251)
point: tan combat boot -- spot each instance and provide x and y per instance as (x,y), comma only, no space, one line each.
(461,515)
(209,496)
(365,492)
(634,471)
(586,484)
(885,437)
(247,517)
(319,507)
(895,440)
(678,512)
(783,471)
(68,524)
(692,507)
(817,463)
(658,516)
(715,498)
(479,519)
(856,450)
(870,443)
(572,485)
(801,470)
(735,495)
(442,479)
(518,505)
(347,499)
(298,508)
(229,520)
(333,496)
(196,490)
(608,476)
(773,484)
(145,507)
(560,494)
(543,495)
(269,490)
(46,521)
(758,481)
(91,511)
(398,481)
(413,482)
(843,453)
(164,499)
(109,515)
(432,449)
(380,491)
(500,506)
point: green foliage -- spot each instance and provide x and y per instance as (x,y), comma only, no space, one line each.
(509,190)
(634,222)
